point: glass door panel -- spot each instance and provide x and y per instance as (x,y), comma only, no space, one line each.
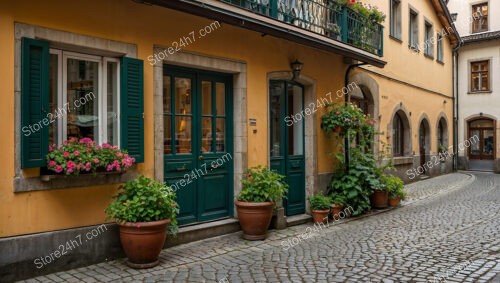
(487,144)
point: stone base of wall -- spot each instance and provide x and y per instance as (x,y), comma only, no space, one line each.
(409,169)
(20,257)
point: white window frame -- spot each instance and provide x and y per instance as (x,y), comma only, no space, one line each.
(62,93)
(105,100)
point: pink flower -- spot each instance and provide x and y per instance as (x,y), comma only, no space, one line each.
(76,152)
(96,160)
(98,147)
(52,163)
(50,148)
(115,147)
(119,154)
(86,141)
(106,145)
(69,171)
(70,165)
(338,112)
(66,154)
(79,166)
(59,169)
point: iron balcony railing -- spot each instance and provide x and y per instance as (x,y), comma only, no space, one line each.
(325,17)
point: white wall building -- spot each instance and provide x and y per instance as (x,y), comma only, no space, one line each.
(478,83)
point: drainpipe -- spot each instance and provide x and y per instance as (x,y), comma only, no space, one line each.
(455,104)
(346,101)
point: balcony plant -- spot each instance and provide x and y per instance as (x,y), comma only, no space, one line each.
(395,187)
(320,207)
(342,119)
(77,156)
(143,209)
(262,190)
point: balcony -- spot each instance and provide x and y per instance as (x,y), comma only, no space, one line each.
(328,18)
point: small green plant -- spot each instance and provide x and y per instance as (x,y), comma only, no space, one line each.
(442,148)
(261,184)
(319,202)
(144,200)
(338,199)
(395,186)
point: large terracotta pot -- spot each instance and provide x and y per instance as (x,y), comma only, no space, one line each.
(143,241)
(380,199)
(394,202)
(320,216)
(336,209)
(254,218)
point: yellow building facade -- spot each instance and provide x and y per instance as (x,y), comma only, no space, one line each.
(188,54)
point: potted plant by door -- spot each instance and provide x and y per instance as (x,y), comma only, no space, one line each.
(380,196)
(337,205)
(143,209)
(262,190)
(395,187)
(320,207)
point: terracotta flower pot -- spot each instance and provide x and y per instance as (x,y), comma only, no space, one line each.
(320,216)
(255,218)
(394,202)
(143,241)
(380,199)
(336,209)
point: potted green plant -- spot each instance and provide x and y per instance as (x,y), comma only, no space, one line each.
(395,187)
(143,209)
(320,207)
(262,190)
(338,202)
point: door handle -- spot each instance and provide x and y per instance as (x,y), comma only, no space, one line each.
(200,157)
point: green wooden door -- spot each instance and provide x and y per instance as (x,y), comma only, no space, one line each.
(287,140)
(198,142)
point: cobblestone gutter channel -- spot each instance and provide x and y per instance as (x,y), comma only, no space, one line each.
(447,230)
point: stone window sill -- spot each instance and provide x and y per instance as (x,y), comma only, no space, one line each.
(52,182)
(402,160)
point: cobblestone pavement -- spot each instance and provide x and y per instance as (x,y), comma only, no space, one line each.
(447,231)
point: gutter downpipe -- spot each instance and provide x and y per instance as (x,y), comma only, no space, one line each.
(346,101)
(455,105)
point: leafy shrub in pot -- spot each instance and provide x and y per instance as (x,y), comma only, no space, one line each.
(262,190)
(143,209)
(320,207)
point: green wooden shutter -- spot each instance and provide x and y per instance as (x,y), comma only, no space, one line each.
(34,102)
(132,107)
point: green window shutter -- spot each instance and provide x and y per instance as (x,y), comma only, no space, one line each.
(132,107)
(34,102)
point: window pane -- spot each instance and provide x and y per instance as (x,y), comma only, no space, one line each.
(276,89)
(82,98)
(220,138)
(183,134)
(484,82)
(53,108)
(296,131)
(475,82)
(167,95)
(183,95)
(488,142)
(206,97)
(167,134)
(220,93)
(112,103)
(475,146)
(206,135)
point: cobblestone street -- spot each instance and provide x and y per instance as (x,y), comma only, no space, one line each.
(448,229)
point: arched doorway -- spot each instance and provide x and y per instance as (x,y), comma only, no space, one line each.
(482,139)
(481,144)
(424,138)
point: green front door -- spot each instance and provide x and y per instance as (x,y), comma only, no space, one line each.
(197,117)
(287,140)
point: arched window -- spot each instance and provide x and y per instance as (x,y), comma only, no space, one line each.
(442,135)
(398,139)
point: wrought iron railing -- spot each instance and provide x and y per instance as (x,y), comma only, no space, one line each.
(325,17)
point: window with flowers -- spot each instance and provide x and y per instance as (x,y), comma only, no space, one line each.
(78,108)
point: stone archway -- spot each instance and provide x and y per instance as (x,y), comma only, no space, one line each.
(424,142)
(366,96)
